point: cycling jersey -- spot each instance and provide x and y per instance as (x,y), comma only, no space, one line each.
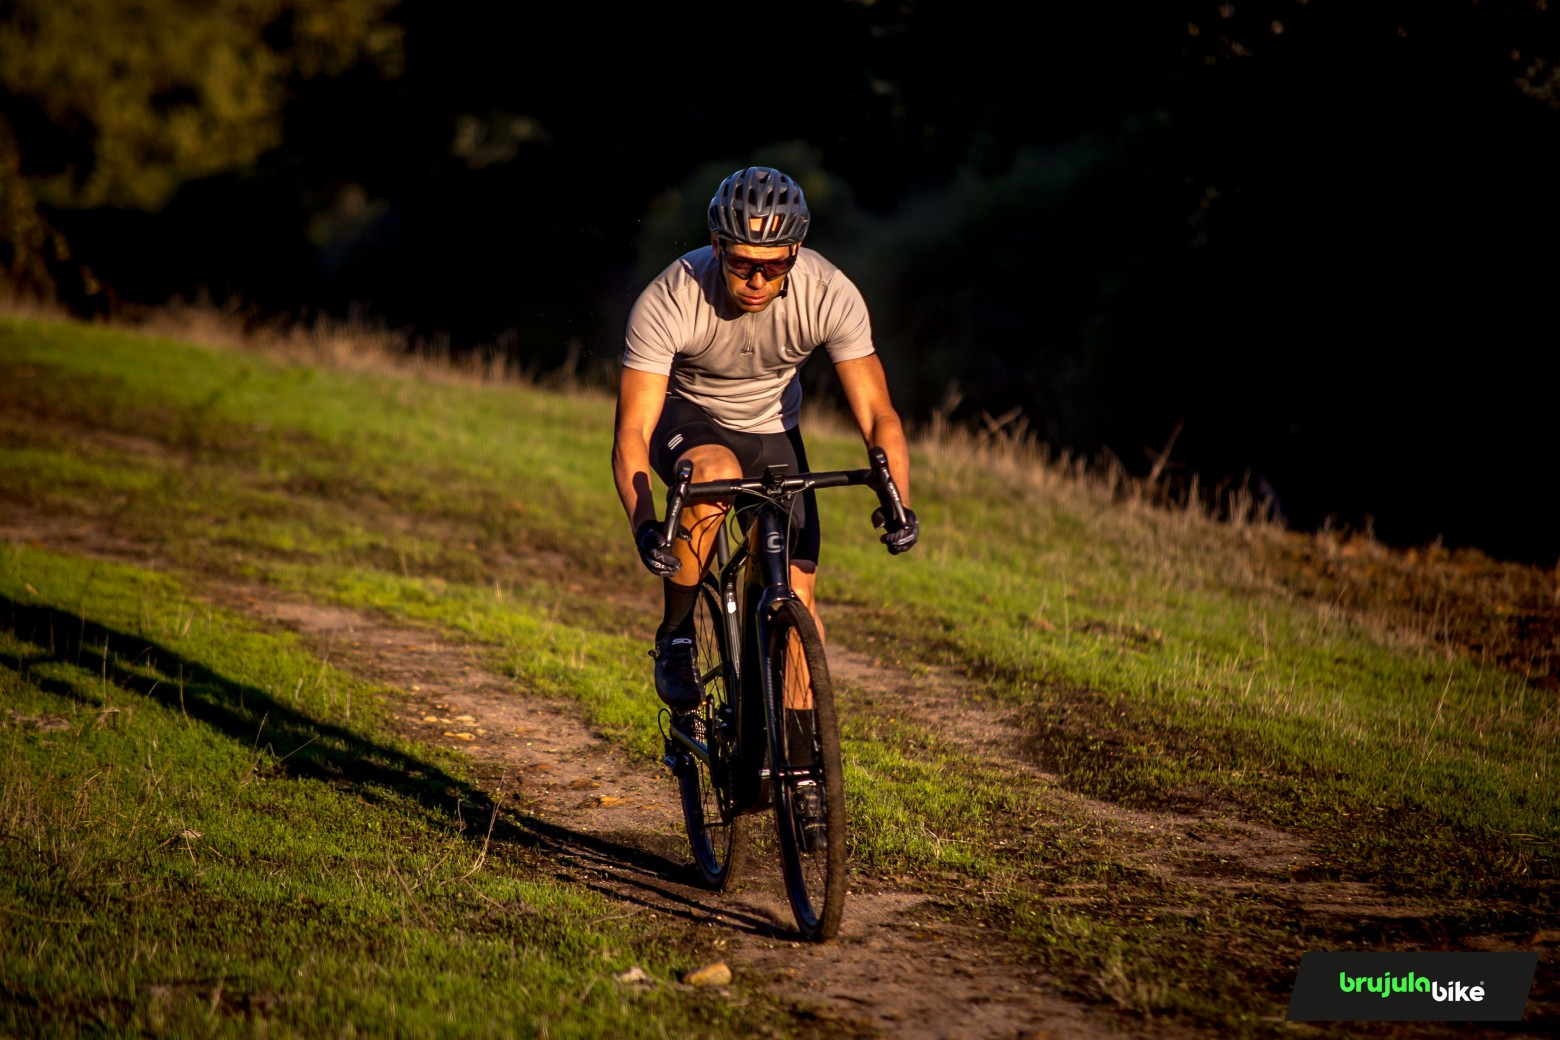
(741,368)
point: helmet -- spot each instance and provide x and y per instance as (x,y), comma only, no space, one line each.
(759,192)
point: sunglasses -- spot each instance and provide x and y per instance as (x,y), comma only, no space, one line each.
(743,266)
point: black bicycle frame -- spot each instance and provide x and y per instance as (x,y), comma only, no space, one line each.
(747,614)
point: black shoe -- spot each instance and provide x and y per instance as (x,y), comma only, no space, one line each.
(812,829)
(676,676)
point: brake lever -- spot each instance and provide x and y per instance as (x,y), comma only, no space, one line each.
(675,495)
(888,491)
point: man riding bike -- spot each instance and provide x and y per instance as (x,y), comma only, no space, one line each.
(711,374)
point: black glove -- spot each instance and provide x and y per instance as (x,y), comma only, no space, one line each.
(658,555)
(900,539)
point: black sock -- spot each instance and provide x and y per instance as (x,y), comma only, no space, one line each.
(799,736)
(677,618)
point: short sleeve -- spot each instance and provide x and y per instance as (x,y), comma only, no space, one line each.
(847,326)
(650,344)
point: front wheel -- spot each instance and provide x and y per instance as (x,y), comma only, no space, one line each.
(716,835)
(808,774)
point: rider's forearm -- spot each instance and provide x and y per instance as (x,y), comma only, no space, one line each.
(631,472)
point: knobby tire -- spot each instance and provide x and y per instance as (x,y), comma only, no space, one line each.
(717,838)
(814,880)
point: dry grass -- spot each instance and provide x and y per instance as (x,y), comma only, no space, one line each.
(326,341)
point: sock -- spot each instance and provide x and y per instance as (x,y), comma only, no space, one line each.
(678,616)
(799,736)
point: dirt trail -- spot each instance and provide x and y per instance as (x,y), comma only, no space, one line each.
(895,969)
(891,970)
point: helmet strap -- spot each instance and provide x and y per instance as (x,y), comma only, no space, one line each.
(795,250)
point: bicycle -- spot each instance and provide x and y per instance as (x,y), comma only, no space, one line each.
(734,756)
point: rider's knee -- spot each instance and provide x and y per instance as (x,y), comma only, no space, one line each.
(713,462)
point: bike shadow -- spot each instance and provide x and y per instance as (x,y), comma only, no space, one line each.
(307,747)
(678,893)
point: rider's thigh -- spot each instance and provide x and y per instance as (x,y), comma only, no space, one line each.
(703,519)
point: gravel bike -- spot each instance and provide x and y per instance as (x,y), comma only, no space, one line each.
(759,656)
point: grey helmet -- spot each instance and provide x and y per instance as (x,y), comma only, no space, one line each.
(759,191)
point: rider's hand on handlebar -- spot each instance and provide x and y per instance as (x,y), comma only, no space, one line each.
(654,551)
(900,539)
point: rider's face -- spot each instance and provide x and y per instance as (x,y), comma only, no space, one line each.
(756,291)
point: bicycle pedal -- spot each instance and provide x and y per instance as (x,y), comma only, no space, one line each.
(812,828)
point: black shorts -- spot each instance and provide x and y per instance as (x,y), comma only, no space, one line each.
(685,425)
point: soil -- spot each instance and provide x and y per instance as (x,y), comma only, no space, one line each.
(897,968)
(891,969)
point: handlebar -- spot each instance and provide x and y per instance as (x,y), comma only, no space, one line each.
(683,491)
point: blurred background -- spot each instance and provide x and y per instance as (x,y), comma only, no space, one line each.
(1309,246)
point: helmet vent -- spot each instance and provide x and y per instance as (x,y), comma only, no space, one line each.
(759,206)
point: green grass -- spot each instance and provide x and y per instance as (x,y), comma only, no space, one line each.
(1149,657)
(203,823)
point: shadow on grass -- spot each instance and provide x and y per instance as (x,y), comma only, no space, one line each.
(305,747)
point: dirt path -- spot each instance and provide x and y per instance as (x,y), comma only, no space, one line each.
(615,826)
(895,970)
(612,819)
(890,970)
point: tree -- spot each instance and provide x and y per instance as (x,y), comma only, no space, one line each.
(119,103)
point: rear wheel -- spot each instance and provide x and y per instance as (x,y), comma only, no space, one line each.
(717,836)
(808,781)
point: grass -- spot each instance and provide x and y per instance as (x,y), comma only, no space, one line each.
(1153,660)
(207,826)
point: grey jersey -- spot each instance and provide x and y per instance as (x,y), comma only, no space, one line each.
(742,368)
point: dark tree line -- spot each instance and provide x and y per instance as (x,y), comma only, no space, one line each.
(1316,238)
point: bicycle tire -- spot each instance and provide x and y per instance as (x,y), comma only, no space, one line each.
(716,835)
(814,878)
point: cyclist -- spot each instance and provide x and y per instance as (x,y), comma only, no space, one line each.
(710,374)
